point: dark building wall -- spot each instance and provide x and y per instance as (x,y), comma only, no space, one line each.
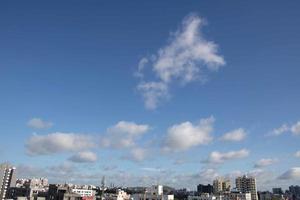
(15,192)
(205,189)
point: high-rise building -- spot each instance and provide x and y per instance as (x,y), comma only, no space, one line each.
(246,184)
(7,179)
(221,186)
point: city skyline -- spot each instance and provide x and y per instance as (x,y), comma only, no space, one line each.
(151,92)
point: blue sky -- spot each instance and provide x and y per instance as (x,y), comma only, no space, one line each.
(150,91)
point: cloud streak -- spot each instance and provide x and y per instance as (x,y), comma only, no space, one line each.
(216,157)
(291,174)
(84,157)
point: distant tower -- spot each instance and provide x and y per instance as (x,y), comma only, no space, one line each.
(7,179)
(103,183)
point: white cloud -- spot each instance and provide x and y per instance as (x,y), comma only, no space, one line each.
(38,123)
(293,173)
(216,157)
(183,136)
(130,128)
(265,162)
(235,135)
(295,129)
(187,57)
(297,154)
(84,157)
(124,134)
(58,142)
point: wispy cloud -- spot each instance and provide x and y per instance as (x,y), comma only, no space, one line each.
(285,128)
(186,58)
(154,93)
(38,123)
(234,135)
(151,169)
(297,154)
(280,130)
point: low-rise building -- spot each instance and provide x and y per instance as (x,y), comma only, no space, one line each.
(119,195)
(62,193)
(153,193)
(203,196)
(84,192)
(239,196)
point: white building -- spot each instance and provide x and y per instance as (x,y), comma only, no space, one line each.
(120,195)
(84,192)
(38,183)
(153,193)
